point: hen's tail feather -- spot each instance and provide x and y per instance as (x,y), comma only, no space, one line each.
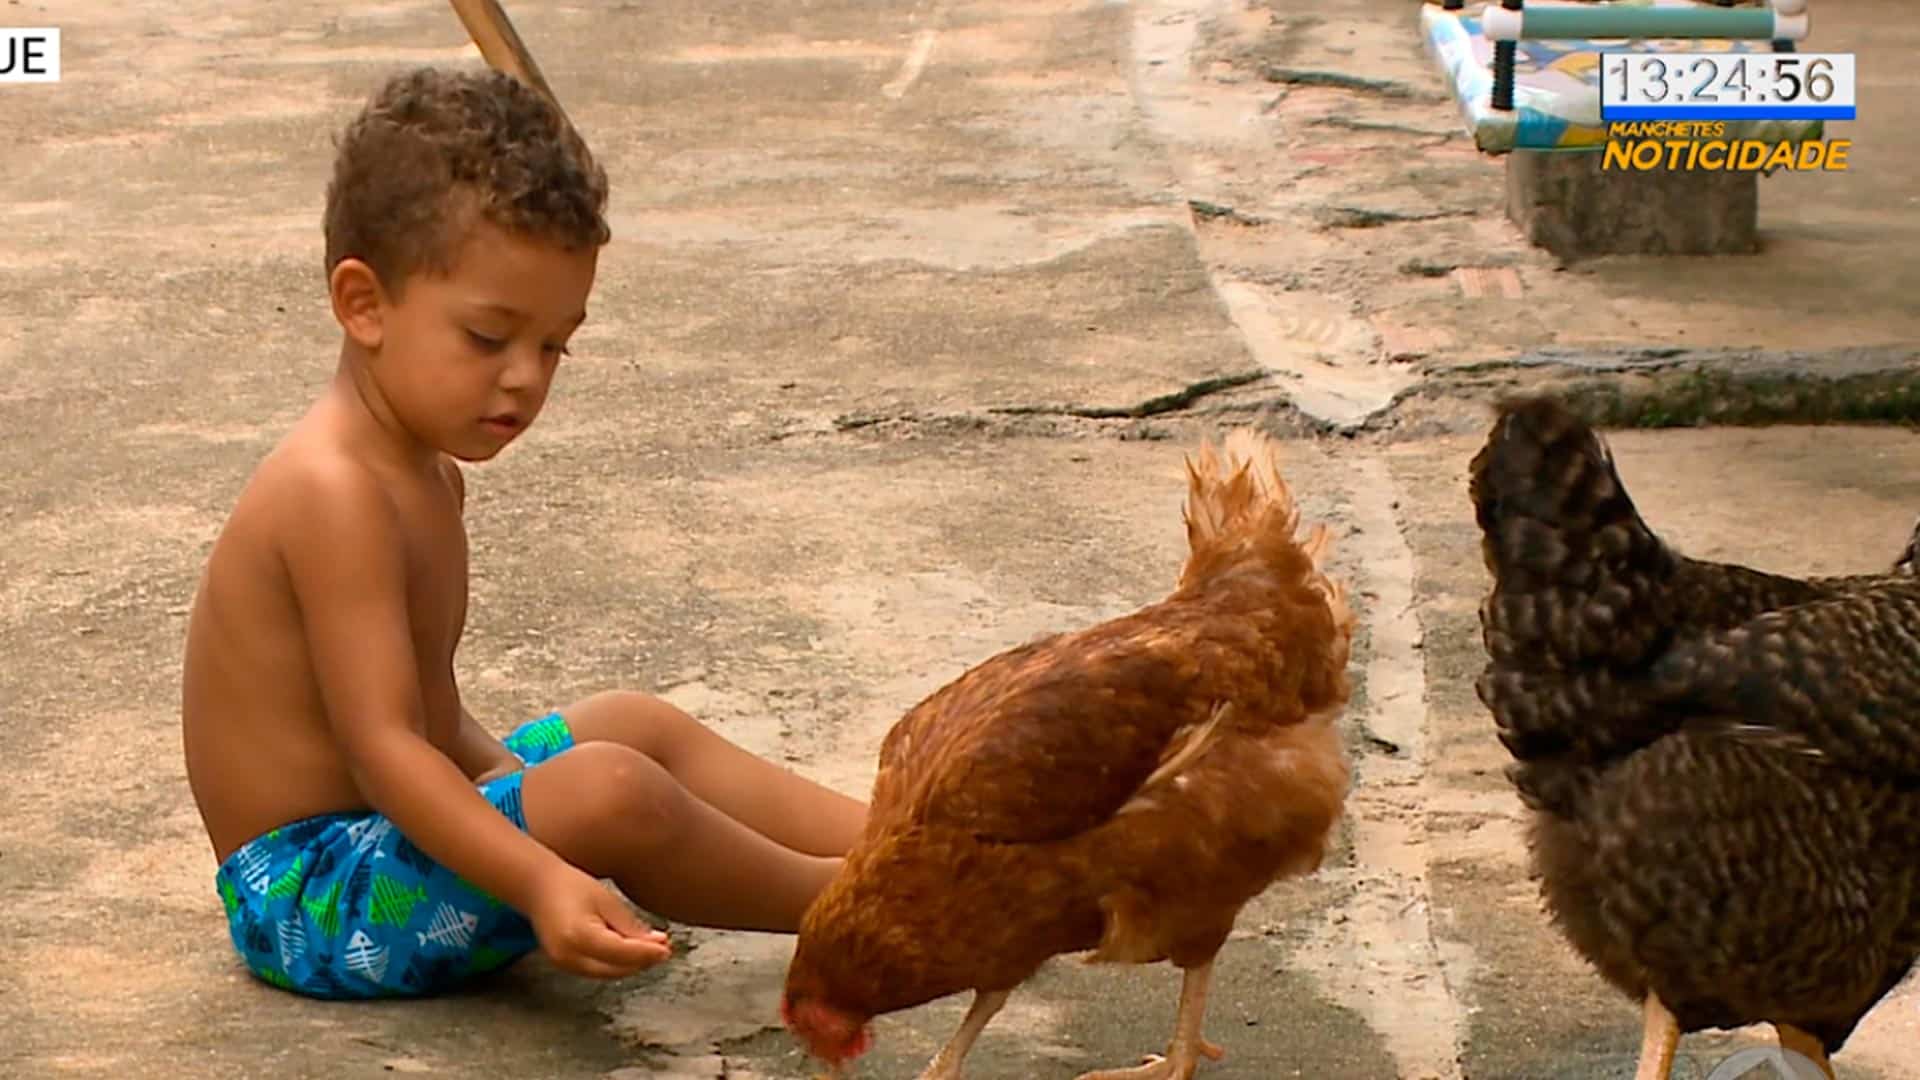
(1238,503)
(1582,588)
(1236,491)
(1577,573)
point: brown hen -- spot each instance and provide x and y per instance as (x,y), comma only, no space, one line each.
(1722,765)
(1124,789)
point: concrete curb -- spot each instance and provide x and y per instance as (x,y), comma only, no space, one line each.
(1618,388)
(1659,388)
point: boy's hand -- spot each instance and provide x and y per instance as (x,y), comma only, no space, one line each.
(587,930)
(478,753)
(498,771)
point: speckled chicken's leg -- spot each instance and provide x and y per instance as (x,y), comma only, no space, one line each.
(1189,1046)
(946,1064)
(1658,1041)
(1792,1038)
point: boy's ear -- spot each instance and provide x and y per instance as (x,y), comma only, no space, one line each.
(358,301)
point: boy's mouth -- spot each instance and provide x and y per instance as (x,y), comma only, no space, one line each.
(505,423)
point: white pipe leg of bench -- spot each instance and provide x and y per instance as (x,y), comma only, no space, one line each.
(1500,24)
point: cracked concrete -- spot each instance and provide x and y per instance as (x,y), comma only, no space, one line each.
(1403,988)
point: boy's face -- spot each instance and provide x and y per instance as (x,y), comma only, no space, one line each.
(465,360)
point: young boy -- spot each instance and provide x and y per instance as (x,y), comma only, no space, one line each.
(373,839)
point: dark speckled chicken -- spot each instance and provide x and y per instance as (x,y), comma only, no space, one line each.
(1722,765)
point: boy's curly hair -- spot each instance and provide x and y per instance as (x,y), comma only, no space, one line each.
(436,150)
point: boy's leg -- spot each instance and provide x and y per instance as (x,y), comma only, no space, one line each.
(617,813)
(776,802)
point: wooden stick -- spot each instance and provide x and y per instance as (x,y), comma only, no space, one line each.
(500,45)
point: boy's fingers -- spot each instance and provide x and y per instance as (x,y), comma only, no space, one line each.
(610,941)
(630,953)
(624,922)
(606,955)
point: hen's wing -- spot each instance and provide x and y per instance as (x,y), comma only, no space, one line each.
(1717,596)
(1050,739)
(1839,677)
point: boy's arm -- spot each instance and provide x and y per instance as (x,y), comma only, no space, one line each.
(479,755)
(349,579)
(348,572)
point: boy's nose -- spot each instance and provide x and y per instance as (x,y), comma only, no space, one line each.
(524,369)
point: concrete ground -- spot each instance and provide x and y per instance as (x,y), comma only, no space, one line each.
(911,312)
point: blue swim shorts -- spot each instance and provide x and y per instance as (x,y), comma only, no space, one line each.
(342,906)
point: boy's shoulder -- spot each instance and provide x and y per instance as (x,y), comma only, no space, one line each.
(312,493)
(307,476)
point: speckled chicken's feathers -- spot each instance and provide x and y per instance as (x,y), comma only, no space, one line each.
(1579,588)
(1721,763)
(1839,677)
(1586,598)
(1909,561)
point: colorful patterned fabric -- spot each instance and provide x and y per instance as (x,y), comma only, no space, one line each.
(343,906)
(1556,95)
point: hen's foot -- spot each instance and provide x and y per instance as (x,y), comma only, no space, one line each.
(1162,1068)
(1189,1046)
(1792,1038)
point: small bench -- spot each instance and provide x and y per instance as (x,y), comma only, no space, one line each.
(1531,91)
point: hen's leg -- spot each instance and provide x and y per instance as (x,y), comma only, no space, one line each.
(1792,1038)
(1658,1041)
(946,1064)
(1189,1046)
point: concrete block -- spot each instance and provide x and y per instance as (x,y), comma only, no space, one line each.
(1565,203)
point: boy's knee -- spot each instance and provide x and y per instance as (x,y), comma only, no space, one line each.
(619,701)
(638,705)
(638,719)
(629,794)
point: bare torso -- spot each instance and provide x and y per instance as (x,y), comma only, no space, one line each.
(259,750)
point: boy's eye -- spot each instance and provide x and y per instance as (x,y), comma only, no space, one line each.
(493,344)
